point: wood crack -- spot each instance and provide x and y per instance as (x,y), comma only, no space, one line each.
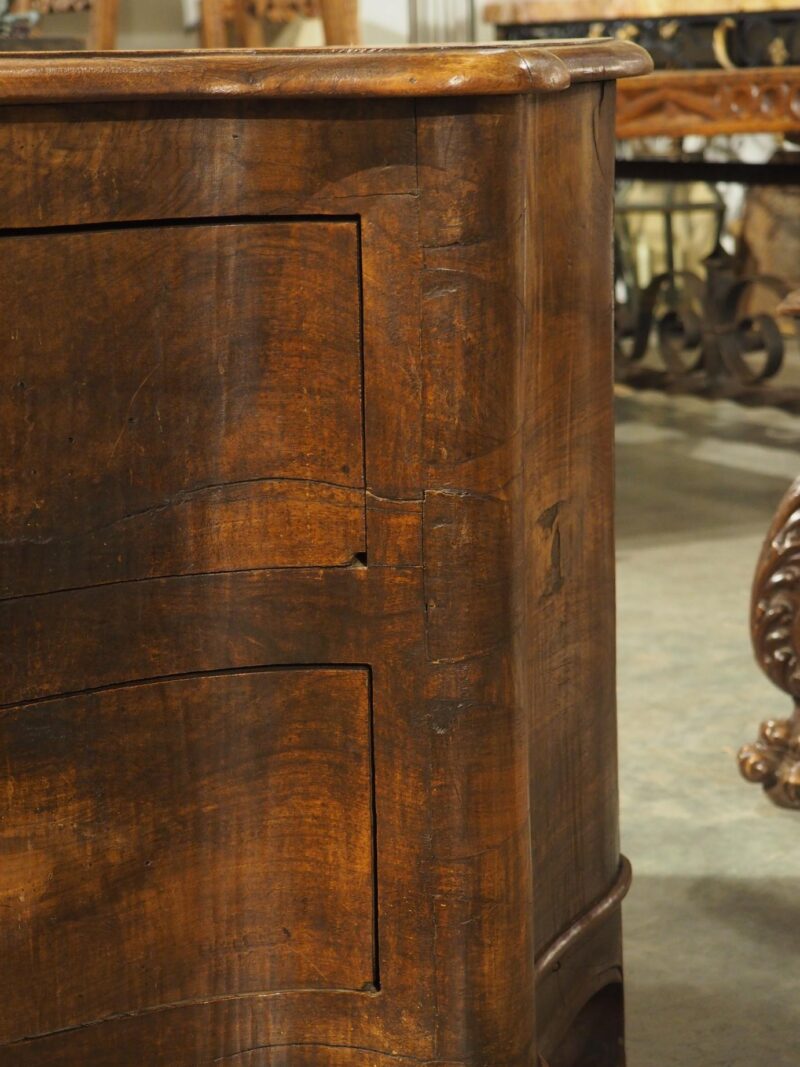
(160,679)
(181,498)
(324,1044)
(186,576)
(159,1008)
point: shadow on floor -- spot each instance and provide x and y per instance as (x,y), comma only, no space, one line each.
(702,959)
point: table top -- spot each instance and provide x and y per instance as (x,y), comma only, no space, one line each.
(461,70)
(520,12)
(677,103)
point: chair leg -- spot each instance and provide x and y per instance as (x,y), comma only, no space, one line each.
(250,29)
(103,26)
(213,31)
(340,19)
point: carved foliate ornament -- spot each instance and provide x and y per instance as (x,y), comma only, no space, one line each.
(774,759)
(776,598)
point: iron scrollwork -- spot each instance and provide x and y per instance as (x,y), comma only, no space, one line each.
(703,340)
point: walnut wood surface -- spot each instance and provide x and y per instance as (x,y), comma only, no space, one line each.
(368,72)
(566,485)
(229,883)
(322,640)
(280,481)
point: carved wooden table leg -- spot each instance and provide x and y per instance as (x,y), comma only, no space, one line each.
(774,759)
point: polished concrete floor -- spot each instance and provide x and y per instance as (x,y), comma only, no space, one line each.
(712,924)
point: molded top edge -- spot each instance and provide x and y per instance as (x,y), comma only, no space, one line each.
(446,70)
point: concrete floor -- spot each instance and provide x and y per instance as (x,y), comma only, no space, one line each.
(712,924)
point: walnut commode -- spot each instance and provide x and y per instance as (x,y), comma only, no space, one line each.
(306,562)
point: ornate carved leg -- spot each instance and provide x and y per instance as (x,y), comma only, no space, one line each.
(774,759)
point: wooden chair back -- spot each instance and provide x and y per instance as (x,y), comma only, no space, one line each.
(222,22)
(226,22)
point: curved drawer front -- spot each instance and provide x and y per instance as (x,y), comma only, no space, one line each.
(197,408)
(185,840)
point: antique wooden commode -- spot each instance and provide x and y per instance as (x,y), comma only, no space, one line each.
(307,735)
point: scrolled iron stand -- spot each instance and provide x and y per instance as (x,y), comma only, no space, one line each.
(704,341)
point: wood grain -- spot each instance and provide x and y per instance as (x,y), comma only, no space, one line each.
(190,829)
(326,631)
(569,514)
(135,476)
(419,71)
(473,236)
(173,626)
(272,158)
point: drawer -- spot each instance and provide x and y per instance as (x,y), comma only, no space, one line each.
(185,840)
(179,398)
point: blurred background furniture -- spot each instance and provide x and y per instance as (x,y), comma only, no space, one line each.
(226,22)
(241,22)
(699,323)
(683,103)
(773,761)
(223,23)
(688,319)
(690,34)
(434,22)
(102,32)
(339,19)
